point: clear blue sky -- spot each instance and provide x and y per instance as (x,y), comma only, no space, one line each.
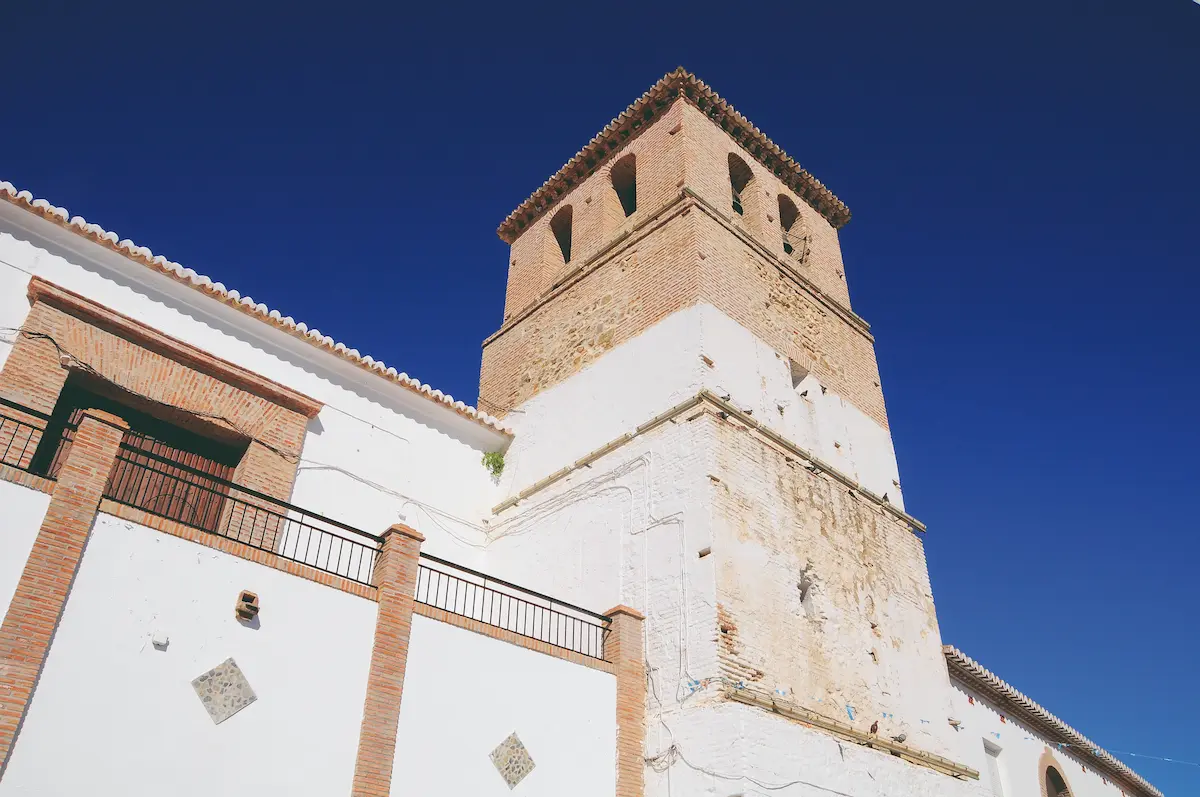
(1025,182)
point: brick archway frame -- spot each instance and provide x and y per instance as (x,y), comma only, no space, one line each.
(1044,764)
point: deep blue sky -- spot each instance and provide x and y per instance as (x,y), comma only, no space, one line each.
(1024,179)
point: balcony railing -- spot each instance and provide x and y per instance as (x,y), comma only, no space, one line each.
(20,432)
(469,593)
(158,485)
(172,490)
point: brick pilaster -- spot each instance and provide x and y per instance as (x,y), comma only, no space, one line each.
(41,594)
(396,579)
(625,648)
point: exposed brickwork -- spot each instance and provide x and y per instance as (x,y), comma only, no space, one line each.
(396,578)
(166,371)
(674,252)
(626,648)
(504,635)
(17,476)
(45,583)
(535,263)
(708,148)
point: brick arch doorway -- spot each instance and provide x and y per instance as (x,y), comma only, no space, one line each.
(1051,778)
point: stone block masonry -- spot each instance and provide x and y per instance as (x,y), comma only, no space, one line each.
(41,593)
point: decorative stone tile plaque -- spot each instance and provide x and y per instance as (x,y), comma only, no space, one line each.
(512,761)
(224,691)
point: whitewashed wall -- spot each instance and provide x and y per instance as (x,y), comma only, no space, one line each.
(733,749)
(1020,749)
(464,693)
(375,455)
(662,367)
(21,513)
(124,714)
(630,530)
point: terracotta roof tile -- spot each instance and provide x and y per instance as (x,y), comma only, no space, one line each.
(216,290)
(974,675)
(638,116)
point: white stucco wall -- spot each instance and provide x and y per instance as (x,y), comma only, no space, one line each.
(630,530)
(733,749)
(124,714)
(21,513)
(662,367)
(464,693)
(375,455)
(1020,750)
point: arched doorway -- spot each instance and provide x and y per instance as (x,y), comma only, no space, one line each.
(1052,781)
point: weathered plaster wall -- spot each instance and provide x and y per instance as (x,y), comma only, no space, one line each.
(1020,751)
(733,749)
(823,597)
(21,513)
(454,715)
(374,455)
(669,363)
(127,712)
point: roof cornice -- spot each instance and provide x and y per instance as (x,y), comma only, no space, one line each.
(639,116)
(975,676)
(186,276)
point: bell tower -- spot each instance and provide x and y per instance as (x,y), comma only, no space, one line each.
(677,321)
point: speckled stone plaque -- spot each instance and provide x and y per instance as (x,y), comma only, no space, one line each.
(224,691)
(512,761)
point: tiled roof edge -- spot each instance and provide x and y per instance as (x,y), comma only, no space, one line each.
(143,256)
(638,116)
(974,674)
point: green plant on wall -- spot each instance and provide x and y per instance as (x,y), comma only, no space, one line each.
(493,461)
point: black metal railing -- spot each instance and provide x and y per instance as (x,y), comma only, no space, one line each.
(469,593)
(19,438)
(158,485)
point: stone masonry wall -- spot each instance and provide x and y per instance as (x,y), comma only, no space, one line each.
(823,597)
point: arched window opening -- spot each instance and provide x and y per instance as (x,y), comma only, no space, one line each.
(788,215)
(560,225)
(795,237)
(739,177)
(624,183)
(1056,786)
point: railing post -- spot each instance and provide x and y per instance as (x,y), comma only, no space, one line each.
(396,580)
(41,594)
(625,648)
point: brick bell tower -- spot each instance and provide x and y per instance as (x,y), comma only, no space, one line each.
(686,246)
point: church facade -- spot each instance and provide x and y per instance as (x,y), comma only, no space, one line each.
(240,556)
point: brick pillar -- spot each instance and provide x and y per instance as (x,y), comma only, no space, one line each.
(41,594)
(625,647)
(396,579)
